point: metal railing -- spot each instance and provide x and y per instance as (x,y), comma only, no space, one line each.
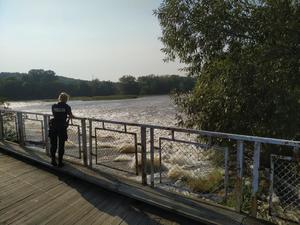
(285,188)
(225,169)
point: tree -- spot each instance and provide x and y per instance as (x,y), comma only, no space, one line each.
(152,84)
(128,85)
(245,55)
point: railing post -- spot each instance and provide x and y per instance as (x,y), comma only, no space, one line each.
(46,130)
(296,153)
(90,153)
(255,178)
(84,143)
(239,182)
(136,155)
(144,155)
(152,155)
(226,175)
(20,128)
(209,141)
(1,126)
(271,185)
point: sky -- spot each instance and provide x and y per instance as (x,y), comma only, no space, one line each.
(84,39)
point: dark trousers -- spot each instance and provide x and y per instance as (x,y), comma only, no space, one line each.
(61,138)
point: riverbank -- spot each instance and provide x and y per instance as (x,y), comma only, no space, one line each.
(83,98)
(95,98)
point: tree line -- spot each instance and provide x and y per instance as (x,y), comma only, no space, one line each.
(45,84)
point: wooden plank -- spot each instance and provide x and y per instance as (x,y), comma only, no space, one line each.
(16,168)
(155,216)
(29,205)
(54,206)
(16,196)
(53,192)
(5,178)
(76,211)
(22,190)
(105,213)
(9,166)
(6,166)
(5,158)
(19,173)
(13,189)
(19,189)
(29,177)
(132,218)
(40,182)
(117,214)
(43,202)
(92,216)
(145,214)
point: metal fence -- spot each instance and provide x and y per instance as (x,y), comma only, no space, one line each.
(33,129)
(220,168)
(285,188)
(114,147)
(9,126)
(73,146)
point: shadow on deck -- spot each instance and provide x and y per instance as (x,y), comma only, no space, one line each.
(31,195)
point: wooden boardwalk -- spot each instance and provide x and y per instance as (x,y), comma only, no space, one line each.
(30,195)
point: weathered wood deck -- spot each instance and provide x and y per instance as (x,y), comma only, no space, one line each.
(29,195)
(34,192)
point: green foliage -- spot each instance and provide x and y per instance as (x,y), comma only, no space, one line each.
(164,84)
(9,126)
(41,84)
(10,133)
(128,85)
(2,100)
(245,55)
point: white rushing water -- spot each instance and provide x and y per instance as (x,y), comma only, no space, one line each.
(157,110)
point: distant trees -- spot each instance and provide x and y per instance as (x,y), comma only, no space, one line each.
(128,85)
(153,84)
(102,88)
(43,84)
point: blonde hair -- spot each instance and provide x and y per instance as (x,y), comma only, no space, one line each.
(63,97)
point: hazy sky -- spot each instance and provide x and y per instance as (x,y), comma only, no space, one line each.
(86,39)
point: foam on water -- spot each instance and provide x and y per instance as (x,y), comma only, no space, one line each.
(152,110)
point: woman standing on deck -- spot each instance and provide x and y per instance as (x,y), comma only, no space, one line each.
(58,128)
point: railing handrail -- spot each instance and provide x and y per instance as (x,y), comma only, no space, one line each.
(238,137)
(150,137)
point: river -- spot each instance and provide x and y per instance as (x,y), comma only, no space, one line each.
(158,110)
